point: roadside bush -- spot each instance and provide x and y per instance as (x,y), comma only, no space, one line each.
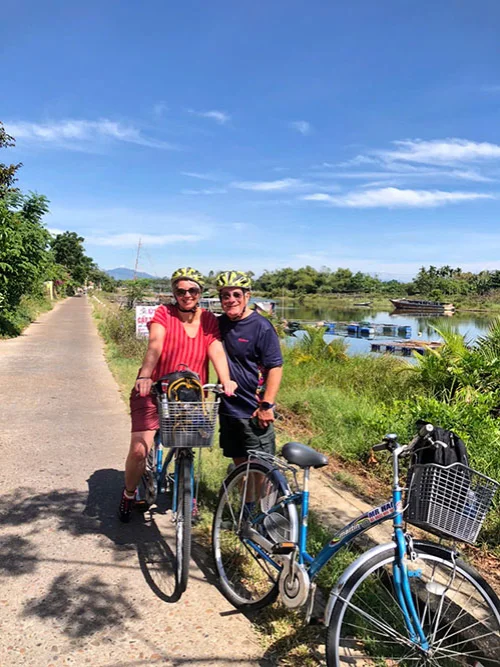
(119,327)
(13,323)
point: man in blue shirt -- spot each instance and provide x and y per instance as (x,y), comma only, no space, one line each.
(255,364)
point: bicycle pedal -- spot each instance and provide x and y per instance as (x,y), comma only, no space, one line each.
(284,548)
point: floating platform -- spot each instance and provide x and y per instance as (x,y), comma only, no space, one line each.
(360,329)
(407,348)
(367,329)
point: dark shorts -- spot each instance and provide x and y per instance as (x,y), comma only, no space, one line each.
(240,436)
(143,412)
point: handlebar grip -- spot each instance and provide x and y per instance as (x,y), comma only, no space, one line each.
(426,429)
(380,447)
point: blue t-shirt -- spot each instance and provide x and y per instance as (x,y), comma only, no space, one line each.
(252,347)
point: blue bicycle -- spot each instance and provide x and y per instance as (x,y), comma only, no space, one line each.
(183,427)
(408,602)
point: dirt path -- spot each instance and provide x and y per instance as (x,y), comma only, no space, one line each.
(76,586)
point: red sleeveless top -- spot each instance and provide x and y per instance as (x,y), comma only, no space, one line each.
(179,348)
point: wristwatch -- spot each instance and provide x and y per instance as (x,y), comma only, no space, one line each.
(264,405)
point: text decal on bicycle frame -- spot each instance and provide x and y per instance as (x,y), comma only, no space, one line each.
(380,512)
(364,521)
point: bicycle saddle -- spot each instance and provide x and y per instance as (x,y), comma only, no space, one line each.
(303,456)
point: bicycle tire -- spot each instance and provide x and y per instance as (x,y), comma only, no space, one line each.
(183,522)
(366,623)
(235,563)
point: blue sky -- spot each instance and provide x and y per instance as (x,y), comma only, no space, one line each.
(258,135)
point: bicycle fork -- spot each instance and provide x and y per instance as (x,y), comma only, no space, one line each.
(400,571)
(402,580)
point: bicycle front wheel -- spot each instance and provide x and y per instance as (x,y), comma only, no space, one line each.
(246,578)
(459,613)
(183,521)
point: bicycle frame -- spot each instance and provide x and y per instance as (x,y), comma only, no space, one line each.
(392,510)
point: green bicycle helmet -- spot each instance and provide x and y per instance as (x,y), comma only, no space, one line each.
(187,273)
(233,279)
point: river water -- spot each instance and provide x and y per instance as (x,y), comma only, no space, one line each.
(471,325)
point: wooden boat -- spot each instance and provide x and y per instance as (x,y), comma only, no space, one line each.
(364,303)
(422,306)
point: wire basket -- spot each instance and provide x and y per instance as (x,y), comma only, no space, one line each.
(450,501)
(187,424)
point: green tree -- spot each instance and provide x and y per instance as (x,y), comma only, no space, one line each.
(68,250)
(24,255)
(7,172)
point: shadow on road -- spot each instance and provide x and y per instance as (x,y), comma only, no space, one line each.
(84,606)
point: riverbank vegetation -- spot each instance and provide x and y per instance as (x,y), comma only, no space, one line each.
(436,283)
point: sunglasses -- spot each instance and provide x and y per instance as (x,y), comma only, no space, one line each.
(192,291)
(228,295)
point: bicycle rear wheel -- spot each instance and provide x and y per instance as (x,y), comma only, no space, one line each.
(183,520)
(247,580)
(458,611)
(147,490)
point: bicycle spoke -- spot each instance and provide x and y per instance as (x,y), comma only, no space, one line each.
(262,563)
(393,602)
(379,623)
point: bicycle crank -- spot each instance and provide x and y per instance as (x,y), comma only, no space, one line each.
(294,585)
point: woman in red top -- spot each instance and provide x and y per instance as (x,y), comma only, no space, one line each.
(178,334)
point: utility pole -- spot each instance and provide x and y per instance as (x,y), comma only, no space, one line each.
(137,258)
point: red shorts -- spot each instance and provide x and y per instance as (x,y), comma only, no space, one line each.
(143,412)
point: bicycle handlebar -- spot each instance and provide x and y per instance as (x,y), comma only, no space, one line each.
(389,443)
(216,388)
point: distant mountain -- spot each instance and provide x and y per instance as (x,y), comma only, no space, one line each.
(122,273)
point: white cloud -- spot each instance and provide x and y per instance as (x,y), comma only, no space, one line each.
(442,151)
(54,231)
(202,176)
(319,196)
(220,117)
(356,161)
(269,186)
(75,134)
(206,191)
(396,198)
(403,174)
(122,227)
(301,126)
(131,240)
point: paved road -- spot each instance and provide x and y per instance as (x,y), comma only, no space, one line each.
(76,586)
